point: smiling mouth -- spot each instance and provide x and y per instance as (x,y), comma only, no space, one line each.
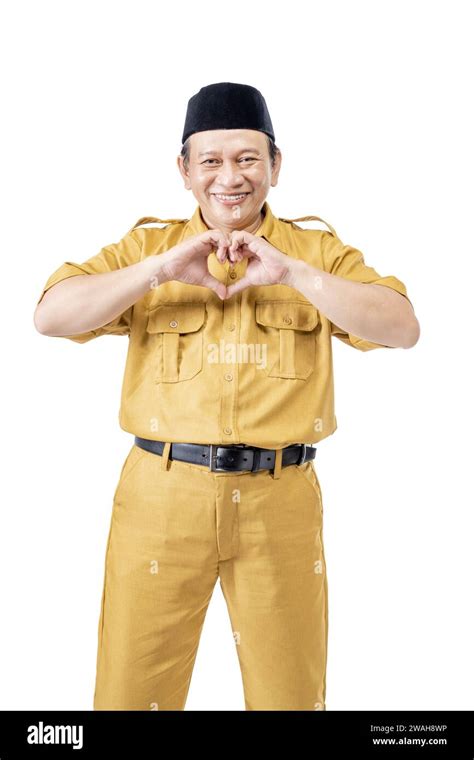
(227,197)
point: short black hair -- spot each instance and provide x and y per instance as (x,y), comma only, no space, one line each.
(272,150)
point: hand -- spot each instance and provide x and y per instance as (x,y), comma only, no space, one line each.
(187,261)
(266,264)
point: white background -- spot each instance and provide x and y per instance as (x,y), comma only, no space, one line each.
(371,104)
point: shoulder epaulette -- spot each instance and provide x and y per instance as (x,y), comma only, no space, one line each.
(147,219)
(309,219)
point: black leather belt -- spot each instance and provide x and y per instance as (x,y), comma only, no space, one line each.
(231,458)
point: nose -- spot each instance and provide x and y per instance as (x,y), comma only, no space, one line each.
(230,177)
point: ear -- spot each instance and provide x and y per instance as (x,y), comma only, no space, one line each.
(183,172)
(276,169)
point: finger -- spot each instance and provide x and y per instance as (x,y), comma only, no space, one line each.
(221,252)
(243,253)
(234,251)
(240,241)
(234,243)
(233,255)
(219,241)
(242,236)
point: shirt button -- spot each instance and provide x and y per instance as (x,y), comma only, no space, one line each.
(232,274)
(228,376)
(287,320)
(173,323)
(227,430)
(231,327)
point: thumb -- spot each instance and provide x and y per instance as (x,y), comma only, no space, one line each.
(236,287)
(214,284)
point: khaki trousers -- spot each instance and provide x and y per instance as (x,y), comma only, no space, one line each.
(175,529)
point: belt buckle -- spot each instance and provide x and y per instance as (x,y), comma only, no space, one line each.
(213,458)
(301,459)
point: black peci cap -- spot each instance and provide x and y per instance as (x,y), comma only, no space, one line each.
(227,105)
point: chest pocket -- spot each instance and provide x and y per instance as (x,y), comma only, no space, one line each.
(288,330)
(176,333)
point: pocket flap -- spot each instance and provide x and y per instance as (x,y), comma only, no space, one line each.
(292,315)
(181,317)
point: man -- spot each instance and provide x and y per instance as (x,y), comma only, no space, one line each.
(227,385)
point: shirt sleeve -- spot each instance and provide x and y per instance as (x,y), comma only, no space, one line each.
(110,258)
(348,262)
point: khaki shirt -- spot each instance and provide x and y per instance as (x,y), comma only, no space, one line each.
(255,369)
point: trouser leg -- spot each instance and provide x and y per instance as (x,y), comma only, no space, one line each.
(275,586)
(160,571)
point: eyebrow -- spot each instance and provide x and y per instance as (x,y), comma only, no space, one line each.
(243,150)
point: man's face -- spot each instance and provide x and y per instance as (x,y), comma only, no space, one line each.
(230,174)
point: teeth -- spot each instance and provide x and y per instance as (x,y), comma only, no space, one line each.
(230,197)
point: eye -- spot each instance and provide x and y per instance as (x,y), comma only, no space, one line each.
(249,158)
(209,159)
